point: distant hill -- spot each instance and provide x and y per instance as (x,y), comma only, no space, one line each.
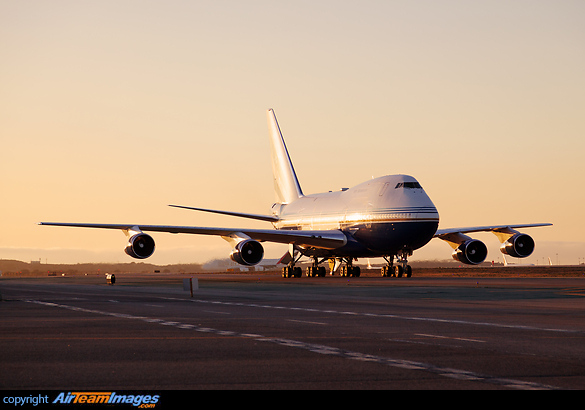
(10,267)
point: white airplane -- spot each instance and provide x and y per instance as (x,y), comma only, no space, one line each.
(507,264)
(389,217)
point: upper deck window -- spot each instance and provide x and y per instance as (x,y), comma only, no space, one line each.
(409,185)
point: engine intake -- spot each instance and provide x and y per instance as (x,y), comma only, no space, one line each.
(471,252)
(140,246)
(248,252)
(518,246)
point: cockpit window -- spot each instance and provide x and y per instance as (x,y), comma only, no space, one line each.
(408,185)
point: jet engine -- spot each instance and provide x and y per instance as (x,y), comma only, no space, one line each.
(471,252)
(140,246)
(518,246)
(248,252)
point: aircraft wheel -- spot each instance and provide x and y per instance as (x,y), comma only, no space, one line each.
(398,271)
(408,271)
(321,271)
(387,271)
(288,272)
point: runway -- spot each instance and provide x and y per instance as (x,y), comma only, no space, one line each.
(251,331)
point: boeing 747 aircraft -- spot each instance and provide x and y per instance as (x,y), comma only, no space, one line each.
(388,217)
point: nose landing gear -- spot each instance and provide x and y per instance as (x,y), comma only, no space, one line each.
(399,270)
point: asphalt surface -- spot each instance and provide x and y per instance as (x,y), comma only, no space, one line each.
(265,332)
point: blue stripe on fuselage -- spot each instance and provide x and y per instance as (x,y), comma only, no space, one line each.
(382,239)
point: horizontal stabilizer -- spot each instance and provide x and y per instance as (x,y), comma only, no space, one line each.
(268,218)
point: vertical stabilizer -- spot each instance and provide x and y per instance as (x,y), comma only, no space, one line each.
(286,184)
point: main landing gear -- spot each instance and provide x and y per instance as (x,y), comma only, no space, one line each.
(292,271)
(349,270)
(297,272)
(316,270)
(399,270)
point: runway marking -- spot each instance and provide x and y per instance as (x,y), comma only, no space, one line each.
(387,315)
(217,312)
(306,321)
(450,338)
(325,350)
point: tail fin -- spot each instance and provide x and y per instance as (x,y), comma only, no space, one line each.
(286,184)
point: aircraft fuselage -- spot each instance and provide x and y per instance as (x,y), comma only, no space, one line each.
(382,216)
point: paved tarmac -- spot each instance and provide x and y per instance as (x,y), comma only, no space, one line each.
(265,332)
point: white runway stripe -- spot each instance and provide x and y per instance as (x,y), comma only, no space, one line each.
(325,350)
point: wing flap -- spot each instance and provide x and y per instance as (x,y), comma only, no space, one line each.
(490,228)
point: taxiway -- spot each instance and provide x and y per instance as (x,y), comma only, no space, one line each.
(250,331)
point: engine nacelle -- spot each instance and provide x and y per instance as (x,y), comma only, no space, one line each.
(140,246)
(248,252)
(471,252)
(518,246)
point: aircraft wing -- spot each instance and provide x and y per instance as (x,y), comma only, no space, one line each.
(327,239)
(489,228)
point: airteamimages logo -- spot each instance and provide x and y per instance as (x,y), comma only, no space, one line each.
(143,401)
(76,399)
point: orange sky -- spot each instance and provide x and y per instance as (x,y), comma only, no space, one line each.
(111,110)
